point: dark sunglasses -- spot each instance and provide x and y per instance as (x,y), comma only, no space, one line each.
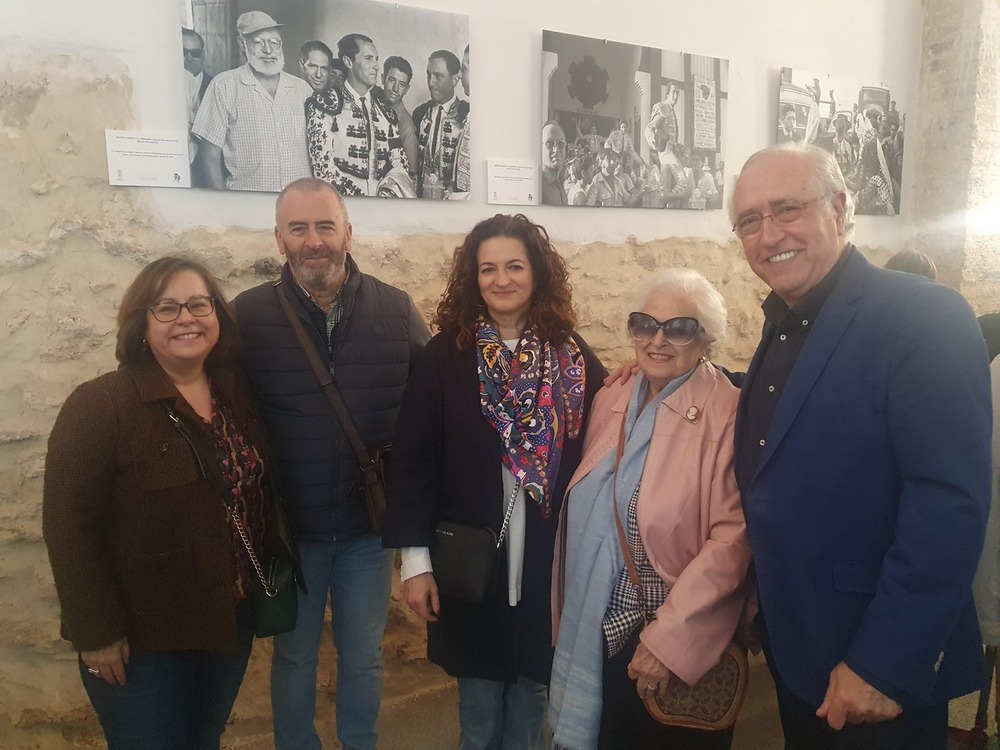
(677,331)
(195,53)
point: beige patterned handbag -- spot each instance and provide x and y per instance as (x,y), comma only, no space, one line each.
(713,702)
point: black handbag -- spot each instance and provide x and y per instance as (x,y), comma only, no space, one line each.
(465,558)
(276,602)
(275,598)
(373,464)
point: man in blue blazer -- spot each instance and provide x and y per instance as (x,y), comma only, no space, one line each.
(863,456)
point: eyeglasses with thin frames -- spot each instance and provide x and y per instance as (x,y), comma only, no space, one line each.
(266,43)
(167,311)
(753,224)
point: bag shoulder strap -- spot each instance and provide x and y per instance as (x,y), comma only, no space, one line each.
(633,573)
(204,464)
(326,383)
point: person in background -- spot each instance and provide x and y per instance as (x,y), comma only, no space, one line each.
(910,261)
(671,483)
(553,163)
(315,65)
(338,74)
(155,583)
(440,122)
(367,333)
(494,413)
(787,125)
(396,76)
(863,458)
(195,87)
(460,187)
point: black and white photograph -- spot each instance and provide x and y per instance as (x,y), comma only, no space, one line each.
(372,97)
(862,125)
(631,126)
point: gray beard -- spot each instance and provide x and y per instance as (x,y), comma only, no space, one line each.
(317,281)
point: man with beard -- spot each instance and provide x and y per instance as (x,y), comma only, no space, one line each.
(353,136)
(252,119)
(315,65)
(367,333)
(396,76)
(440,123)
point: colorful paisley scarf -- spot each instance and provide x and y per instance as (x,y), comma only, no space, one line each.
(533,397)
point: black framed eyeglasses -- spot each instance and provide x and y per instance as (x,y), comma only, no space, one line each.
(167,311)
(752,224)
(677,331)
(195,53)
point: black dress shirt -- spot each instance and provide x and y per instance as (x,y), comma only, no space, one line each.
(785,332)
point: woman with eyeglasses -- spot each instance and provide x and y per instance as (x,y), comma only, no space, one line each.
(659,456)
(489,433)
(155,581)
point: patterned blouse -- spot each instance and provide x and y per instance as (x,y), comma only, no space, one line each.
(243,473)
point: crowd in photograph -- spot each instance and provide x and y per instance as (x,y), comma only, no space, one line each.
(606,169)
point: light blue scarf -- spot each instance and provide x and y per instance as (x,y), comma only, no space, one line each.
(593,562)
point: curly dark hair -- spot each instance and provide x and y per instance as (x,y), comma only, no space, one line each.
(146,288)
(551,315)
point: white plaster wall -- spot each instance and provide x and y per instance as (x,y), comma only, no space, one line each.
(865,40)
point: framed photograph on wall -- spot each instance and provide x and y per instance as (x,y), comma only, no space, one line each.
(372,97)
(862,125)
(631,126)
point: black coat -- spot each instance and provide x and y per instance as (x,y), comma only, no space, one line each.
(446,464)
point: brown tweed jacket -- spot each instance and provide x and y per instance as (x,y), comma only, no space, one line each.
(137,539)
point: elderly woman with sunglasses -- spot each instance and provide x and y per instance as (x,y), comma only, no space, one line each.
(150,552)
(659,455)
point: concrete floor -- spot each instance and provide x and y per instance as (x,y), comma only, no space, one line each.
(428,720)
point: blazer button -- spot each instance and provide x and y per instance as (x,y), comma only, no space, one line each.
(163,447)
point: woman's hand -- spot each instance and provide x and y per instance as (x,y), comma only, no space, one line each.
(623,373)
(421,594)
(109,662)
(649,672)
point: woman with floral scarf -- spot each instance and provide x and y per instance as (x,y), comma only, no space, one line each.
(494,409)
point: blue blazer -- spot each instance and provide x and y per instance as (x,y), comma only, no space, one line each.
(867,510)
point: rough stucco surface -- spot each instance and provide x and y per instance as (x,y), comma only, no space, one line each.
(72,243)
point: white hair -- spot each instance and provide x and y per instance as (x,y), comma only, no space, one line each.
(688,284)
(829,178)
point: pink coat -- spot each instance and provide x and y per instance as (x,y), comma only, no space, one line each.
(689,514)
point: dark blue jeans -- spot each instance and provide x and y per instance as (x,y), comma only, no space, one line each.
(172,700)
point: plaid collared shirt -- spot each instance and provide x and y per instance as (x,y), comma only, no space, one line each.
(336,304)
(631,606)
(263,140)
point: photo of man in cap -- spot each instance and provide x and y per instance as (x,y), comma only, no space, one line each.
(252,119)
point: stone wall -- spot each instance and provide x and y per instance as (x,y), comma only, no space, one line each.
(72,243)
(957,146)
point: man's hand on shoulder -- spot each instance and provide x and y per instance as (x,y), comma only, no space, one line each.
(851,700)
